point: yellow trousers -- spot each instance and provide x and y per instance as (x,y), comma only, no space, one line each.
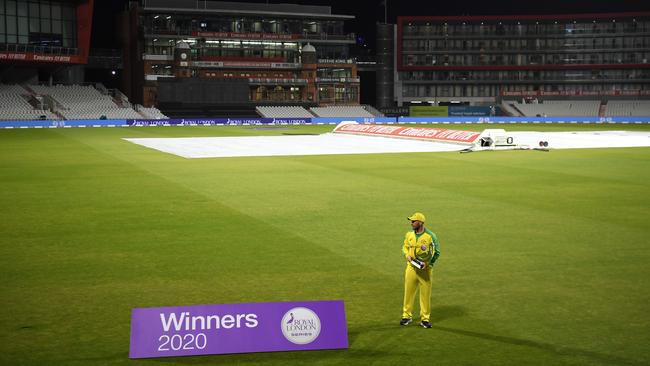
(414,278)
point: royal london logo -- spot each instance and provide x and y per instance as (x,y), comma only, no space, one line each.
(300,325)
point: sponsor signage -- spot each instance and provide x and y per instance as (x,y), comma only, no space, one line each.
(217,121)
(335,61)
(395,111)
(562,93)
(288,121)
(237,328)
(246,64)
(208,64)
(428,111)
(246,36)
(34,57)
(470,111)
(64,123)
(432,134)
(337,120)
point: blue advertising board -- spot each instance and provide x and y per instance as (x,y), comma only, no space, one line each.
(63,123)
(337,120)
(315,120)
(218,121)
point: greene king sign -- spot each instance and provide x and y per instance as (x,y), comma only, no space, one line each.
(237,328)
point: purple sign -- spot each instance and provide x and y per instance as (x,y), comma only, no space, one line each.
(217,121)
(237,328)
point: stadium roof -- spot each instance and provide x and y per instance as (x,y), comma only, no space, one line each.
(228,7)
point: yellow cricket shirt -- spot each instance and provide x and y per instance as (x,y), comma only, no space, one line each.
(413,240)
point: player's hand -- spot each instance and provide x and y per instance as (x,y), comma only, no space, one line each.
(409,258)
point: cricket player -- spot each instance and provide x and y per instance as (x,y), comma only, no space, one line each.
(421,250)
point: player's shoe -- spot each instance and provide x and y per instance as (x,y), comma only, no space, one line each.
(425,324)
(405,321)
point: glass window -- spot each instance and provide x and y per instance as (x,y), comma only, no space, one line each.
(2,24)
(45,10)
(34,10)
(56,11)
(11,7)
(45,25)
(68,13)
(22,26)
(34,25)
(56,27)
(23,39)
(2,6)
(11,38)
(22,9)
(67,30)
(11,25)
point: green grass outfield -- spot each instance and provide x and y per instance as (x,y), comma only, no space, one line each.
(545,256)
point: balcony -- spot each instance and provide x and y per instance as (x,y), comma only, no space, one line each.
(45,50)
(338,80)
(151,57)
(276,81)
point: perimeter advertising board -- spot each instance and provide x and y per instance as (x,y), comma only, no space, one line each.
(428,111)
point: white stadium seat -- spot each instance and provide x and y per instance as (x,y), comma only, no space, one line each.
(560,108)
(283,112)
(628,108)
(72,102)
(342,111)
(85,102)
(14,105)
(152,113)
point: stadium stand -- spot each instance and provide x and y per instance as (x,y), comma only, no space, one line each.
(626,108)
(34,102)
(551,108)
(85,102)
(14,105)
(151,112)
(283,112)
(342,111)
(509,110)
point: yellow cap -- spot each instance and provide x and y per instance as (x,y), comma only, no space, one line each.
(418,216)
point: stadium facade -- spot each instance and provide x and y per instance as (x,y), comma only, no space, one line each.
(480,59)
(193,54)
(52,36)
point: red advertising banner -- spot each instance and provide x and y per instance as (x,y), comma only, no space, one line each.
(33,57)
(235,35)
(430,134)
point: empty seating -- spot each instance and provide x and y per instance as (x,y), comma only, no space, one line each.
(283,112)
(509,109)
(560,108)
(14,105)
(342,111)
(85,102)
(628,108)
(152,113)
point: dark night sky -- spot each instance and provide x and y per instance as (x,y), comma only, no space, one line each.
(368,12)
